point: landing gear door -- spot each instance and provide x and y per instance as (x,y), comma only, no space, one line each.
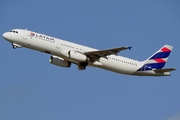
(25,34)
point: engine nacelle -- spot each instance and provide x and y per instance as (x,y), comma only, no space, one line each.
(59,61)
(75,55)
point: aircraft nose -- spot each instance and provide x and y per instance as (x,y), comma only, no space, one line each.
(5,35)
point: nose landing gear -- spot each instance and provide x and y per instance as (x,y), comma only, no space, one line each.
(16,45)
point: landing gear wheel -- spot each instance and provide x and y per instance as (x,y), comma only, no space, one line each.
(14,47)
(82,66)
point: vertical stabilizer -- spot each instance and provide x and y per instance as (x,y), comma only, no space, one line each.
(158,59)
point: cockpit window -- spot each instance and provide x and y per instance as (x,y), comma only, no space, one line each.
(14,31)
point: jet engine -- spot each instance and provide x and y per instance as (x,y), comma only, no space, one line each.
(59,61)
(75,55)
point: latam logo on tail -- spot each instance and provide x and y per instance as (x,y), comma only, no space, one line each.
(65,53)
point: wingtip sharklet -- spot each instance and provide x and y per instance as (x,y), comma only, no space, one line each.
(130,47)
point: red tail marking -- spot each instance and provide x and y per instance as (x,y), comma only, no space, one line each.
(164,49)
(159,60)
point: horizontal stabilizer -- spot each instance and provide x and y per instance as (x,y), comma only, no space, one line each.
(164,70)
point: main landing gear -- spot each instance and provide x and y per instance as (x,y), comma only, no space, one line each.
(82,65)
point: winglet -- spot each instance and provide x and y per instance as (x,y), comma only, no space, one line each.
(130,47)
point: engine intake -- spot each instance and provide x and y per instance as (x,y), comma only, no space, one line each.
(59,61)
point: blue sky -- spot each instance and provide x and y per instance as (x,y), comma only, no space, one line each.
(31,88)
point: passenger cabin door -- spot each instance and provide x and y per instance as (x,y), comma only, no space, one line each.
(57,44)
(25,34)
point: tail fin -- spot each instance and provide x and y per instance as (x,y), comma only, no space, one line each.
(158,59)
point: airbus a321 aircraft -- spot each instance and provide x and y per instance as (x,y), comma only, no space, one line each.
(64,53)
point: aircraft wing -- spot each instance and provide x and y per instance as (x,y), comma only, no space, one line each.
(104,53)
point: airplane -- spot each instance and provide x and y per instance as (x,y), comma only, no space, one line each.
(65,53)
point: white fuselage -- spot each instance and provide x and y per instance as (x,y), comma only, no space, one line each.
(54,46)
